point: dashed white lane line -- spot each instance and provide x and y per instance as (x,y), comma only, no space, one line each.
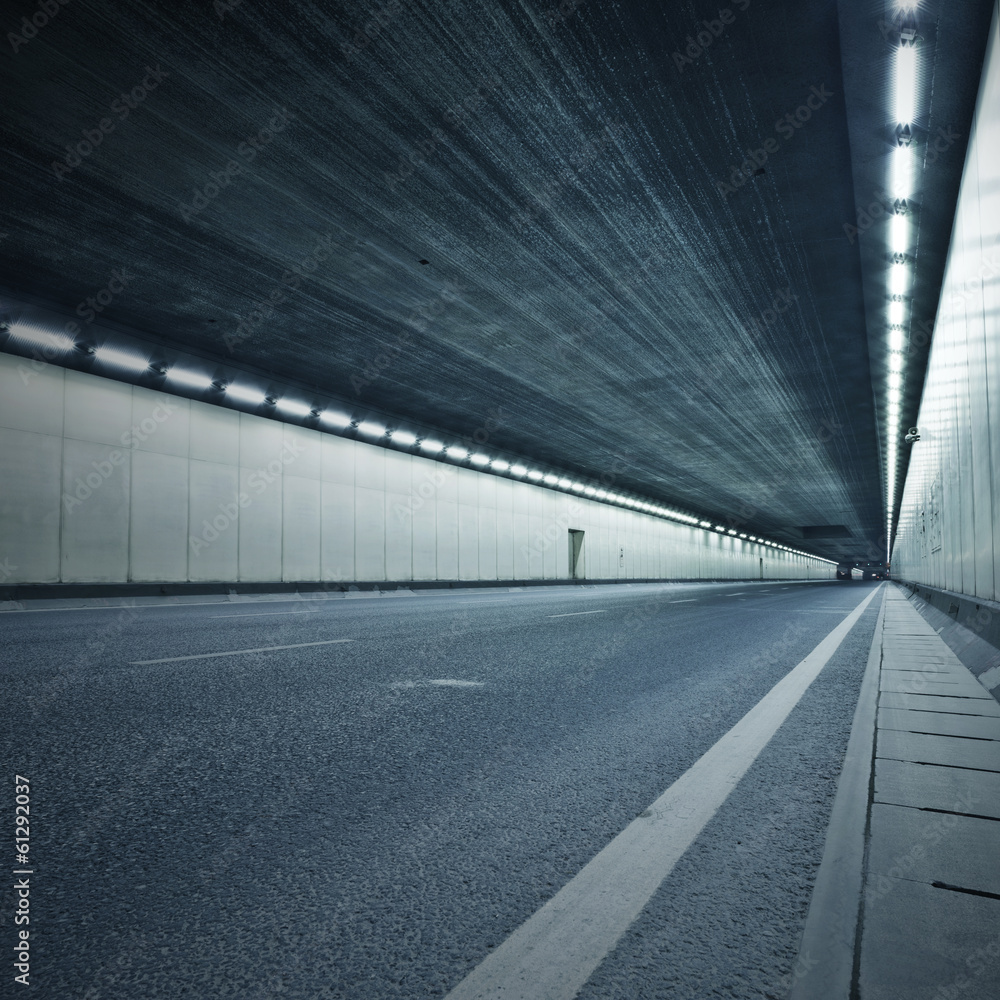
(266,614)
(234,652)
(570,614)
(552,954)
(738,593)
(687,600)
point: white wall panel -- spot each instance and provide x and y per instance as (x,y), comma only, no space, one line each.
(487,543)
(214,433)
(424,530)
(31,398)
(30,506)
(300,522)
(398,468)
(337,459)
(337,531)
(95,530)
(302,451)
(214,516)
(262,446)
(398,530)
(160,423)
(369,467)
(158,539)
(447,540)
(260,521)
(505,545)
(369,520)
(97,409)
(468,540)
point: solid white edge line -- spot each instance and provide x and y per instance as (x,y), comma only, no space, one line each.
(234,652)
(552,954)
(268,614)
(825,965)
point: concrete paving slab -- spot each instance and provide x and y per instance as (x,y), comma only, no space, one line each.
(937,703)
(925,846)
(983,755)
(941,723)
(920,668)
(920,685)
(932,676)
(927,786)
(922,942)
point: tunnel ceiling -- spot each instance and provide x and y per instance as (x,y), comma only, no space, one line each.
(517,217)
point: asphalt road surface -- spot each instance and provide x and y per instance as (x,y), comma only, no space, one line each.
(373,810)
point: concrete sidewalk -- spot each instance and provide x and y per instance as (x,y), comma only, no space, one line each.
(912,857)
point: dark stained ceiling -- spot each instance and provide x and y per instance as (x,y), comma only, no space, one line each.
(519,214)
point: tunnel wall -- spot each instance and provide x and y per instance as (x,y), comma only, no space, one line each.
(948,535)
(105,482)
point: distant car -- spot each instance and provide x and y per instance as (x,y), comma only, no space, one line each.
(843,574)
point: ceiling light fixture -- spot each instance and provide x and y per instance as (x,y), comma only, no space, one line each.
(190,379)
(122,359)
(27,333)
(335,418)
(293,407)
(905,90)
(244,394)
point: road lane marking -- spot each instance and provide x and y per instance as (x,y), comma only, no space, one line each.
(437,682)
(738,593)
(265,614)
(570,614)
(552,954)
(234,652)
(687,600)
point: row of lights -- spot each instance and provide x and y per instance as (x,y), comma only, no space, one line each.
(126,360)
(905,78)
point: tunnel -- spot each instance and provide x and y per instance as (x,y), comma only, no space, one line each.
(591,408)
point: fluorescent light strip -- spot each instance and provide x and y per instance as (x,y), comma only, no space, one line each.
(292,407)
(898,279)
(905,86)
(335,418)
(899,233)
(190,379)
(429,444)
(244,394)
(122,359)
(27,333)
(896,313)
(405,438)
(901,182)
(372,428)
